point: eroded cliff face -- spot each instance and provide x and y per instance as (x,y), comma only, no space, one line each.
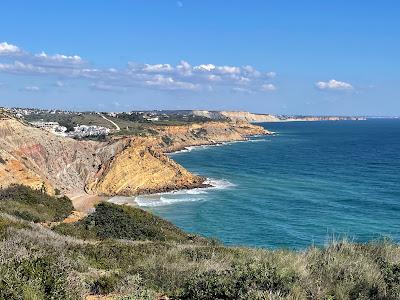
(141,168)
(174,138)
(122,166)
(34,157)
(249,117)
(257,118)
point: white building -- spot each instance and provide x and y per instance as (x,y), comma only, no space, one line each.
(53,127)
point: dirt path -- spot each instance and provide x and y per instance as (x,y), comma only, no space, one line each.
(117,128)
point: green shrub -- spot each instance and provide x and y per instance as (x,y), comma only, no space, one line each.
(242,281)
(33,274)
(33,205)
(111,221)
(6,222)
(105,284)
(167,140)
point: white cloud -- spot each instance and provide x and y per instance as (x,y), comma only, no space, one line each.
(205,68)
(184,68)
(170,84)
(31,88)
(157,68)
(333,85)
(57,60)
(268,87)
(182,76)
(9,49)
(228,70)
(18,67)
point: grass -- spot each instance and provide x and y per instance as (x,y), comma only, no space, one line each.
(131,254)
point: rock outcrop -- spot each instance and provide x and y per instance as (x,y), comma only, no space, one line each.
(141,168)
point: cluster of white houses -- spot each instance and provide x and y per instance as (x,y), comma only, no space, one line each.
(79,131)
(89,130)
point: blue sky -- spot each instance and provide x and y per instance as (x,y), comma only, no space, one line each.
(287,57)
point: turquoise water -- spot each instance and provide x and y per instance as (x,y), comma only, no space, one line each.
(308,183)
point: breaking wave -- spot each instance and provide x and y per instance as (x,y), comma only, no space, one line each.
(181,196)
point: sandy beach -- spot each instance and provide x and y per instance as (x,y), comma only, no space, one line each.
(84,203)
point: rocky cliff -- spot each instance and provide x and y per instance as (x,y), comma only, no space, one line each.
(257,118)
(174,138)
(121,166)
(141,168)
(249,117)
(34,157)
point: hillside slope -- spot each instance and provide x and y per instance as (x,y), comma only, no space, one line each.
(122,252)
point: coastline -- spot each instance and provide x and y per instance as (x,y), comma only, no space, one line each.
(207,184)
(163,198)
(85,203)
(190,147)
(128,166)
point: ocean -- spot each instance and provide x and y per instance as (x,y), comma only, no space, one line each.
(307,184)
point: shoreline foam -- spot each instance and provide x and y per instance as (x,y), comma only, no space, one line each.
(166,198)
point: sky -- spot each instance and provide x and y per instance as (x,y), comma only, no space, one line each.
(305,57)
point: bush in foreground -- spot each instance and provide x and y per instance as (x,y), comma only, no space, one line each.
(124,222)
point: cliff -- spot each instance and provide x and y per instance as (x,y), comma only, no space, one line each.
(174,138)
(121,166)
(249,117)
(140,168)
(245,116)
(34,157)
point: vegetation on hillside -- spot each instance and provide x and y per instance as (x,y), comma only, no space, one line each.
(34,205)
(129,254)
(123,222)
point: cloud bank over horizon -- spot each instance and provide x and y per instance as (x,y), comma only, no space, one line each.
(163,76)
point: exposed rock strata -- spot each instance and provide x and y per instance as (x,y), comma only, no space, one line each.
(33,156)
